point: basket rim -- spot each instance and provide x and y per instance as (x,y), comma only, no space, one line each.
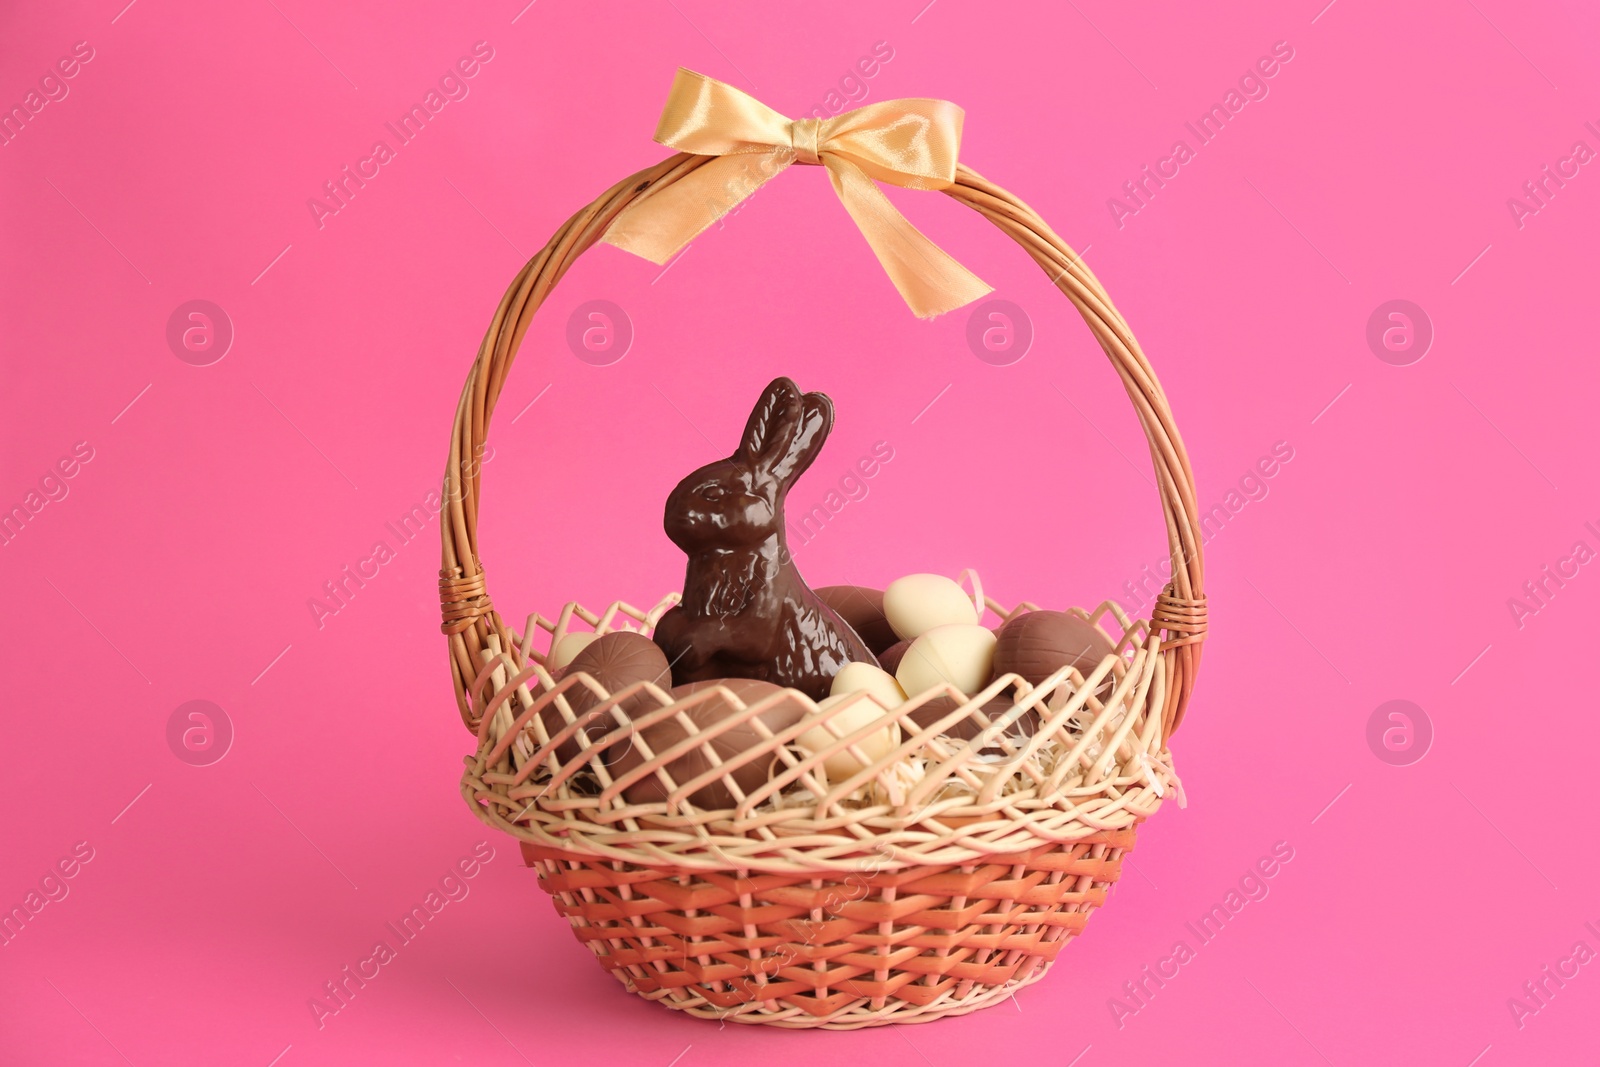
(1110,774)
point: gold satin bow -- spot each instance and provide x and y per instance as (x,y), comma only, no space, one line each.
(909,143)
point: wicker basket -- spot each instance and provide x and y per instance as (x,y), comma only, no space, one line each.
(937,880)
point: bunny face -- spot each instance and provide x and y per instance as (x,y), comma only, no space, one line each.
(727,504)
(738,502)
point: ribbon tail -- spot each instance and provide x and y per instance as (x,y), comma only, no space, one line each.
(661,223)
(930,281)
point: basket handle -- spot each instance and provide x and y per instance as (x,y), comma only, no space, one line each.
(469,616)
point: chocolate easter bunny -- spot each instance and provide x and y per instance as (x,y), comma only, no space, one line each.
(746,612)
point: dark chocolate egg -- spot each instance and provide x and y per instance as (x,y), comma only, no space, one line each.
(1036,644)
(739,739)
(889,658)
(862,608)
(616,661)
(963,729)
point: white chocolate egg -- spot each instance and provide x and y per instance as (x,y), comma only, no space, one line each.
(862,711)
(960,654)
(565,650)
(917,603)
(874,681)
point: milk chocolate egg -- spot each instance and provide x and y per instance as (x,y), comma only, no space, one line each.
(930,713)
(562,652)
(862,711)
(862,608)
(917,603)
(959,654)
(889,659)
(1036,644)
(616,661)
(865,678)
(733,742)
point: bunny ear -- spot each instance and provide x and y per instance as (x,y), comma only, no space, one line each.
(772,422)
(816,420)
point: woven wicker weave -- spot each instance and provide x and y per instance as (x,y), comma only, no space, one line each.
(936,880)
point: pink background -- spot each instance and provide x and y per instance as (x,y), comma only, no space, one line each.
(180,563)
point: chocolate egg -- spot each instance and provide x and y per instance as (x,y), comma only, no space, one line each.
(917,603)
(862,608)
(732,742)
(563,651)
(862,711)
(930,713)
(1036,644)
(959,654)
(889,659)
(616,661)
